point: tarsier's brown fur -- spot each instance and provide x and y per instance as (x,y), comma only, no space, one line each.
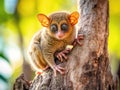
(45,43)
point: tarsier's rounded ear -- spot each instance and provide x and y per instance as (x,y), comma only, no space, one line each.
(44,20)
(74,17)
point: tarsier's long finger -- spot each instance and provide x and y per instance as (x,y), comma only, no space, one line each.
(66,51)
(59,70)
(64,56)
(75,42)
(60,67)
(79,42)
(81,36)
(55,72)
(59,57)
(56,68)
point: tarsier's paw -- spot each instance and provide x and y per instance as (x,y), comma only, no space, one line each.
(63,54)
(59,69)
(79,38)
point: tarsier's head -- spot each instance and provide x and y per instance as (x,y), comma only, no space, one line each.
(60,24)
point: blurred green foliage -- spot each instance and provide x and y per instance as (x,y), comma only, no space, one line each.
(114,31)
(114,27)
(3,57)
(23,20)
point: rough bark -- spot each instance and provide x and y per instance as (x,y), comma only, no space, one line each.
(21,83)
(88,66)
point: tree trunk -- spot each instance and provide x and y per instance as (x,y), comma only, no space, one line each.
(88,65)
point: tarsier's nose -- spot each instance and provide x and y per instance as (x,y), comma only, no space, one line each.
(60,34)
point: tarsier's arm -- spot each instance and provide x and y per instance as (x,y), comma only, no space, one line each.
(62,55)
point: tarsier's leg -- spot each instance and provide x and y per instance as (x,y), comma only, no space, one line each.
(37,60)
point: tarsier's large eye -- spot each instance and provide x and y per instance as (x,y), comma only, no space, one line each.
(54,28)
(64,27)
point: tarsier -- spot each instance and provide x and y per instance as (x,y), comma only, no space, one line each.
(58,32)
